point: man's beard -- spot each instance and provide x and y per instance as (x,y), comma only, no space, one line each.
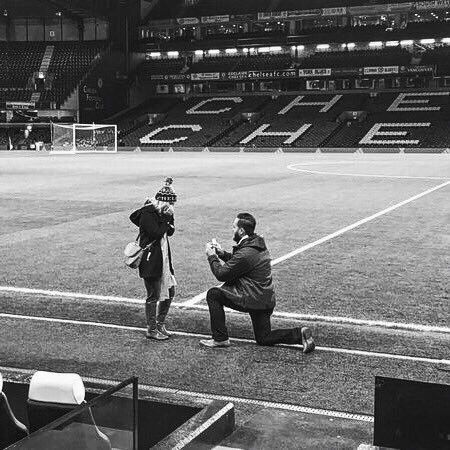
(236,237)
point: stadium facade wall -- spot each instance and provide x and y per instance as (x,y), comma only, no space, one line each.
(391,150)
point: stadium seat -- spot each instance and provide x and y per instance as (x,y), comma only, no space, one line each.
(52,395)
(11,430)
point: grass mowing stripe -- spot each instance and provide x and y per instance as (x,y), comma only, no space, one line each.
(206,396)
(414,327)
(199,335)
(198,298)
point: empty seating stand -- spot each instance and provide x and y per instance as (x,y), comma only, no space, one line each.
(194,123)
(390,121)
(70,62)
(18,62)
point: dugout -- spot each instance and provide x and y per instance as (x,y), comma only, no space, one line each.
(126,417)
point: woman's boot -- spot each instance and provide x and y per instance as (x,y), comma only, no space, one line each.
(152,330)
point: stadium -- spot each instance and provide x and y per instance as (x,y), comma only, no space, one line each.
(327,121)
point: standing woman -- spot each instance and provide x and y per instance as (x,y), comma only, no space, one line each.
(155,221)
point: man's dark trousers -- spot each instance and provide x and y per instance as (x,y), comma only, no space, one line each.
(264,335)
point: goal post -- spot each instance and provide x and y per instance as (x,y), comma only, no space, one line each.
(83,138)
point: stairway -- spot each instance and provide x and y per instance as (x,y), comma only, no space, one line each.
(46,59)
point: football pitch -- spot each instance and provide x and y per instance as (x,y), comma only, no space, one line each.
(360,247)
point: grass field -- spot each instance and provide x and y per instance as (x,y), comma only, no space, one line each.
(64,223)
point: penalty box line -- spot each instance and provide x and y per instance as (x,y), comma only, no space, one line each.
(338,350)
(198,298)
(411,327)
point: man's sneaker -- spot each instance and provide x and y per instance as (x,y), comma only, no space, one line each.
(215,344)
(156,334)
(162,329)
(307,340)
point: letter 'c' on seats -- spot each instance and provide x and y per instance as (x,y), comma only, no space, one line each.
(293,135)
(146,139)
(195,109)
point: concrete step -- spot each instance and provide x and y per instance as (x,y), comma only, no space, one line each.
(270,429)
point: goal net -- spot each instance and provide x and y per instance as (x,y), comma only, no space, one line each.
(83,138)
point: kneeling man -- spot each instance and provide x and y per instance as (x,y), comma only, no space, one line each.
(247,277)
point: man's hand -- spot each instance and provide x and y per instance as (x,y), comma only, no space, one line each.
(210,249)
(217,247)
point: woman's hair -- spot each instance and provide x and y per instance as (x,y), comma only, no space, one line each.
(158,204)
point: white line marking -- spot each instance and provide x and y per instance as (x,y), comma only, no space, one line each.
(415,327)
(342,320)
(198,298)
(64,294)
(295,167)
(199,335)
(206,396)
(200,429)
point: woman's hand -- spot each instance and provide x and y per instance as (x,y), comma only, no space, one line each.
(167,210)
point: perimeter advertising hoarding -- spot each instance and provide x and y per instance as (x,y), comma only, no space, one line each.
(259,74)
(263,74)
(296,73)
(173,77)
(380,70)
(338,11)
(205,76)
(216,19)
(20,105)
(436,4)
(272,15)
(416,69)
(347,71)
(299,13)
(314,72)
(187,20)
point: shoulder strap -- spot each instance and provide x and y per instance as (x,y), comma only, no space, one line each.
(149,245)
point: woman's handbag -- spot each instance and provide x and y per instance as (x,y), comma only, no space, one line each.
(133,253)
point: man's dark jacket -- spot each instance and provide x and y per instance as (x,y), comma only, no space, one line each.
(247,274)
(152,227)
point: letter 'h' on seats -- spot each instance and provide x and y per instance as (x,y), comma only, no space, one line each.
(326,106)
(293,135)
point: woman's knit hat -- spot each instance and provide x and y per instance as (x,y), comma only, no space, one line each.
(166,193)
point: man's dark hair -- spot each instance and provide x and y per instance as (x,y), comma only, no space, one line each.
(247,222)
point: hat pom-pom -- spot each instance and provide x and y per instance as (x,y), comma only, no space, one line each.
(169,181)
